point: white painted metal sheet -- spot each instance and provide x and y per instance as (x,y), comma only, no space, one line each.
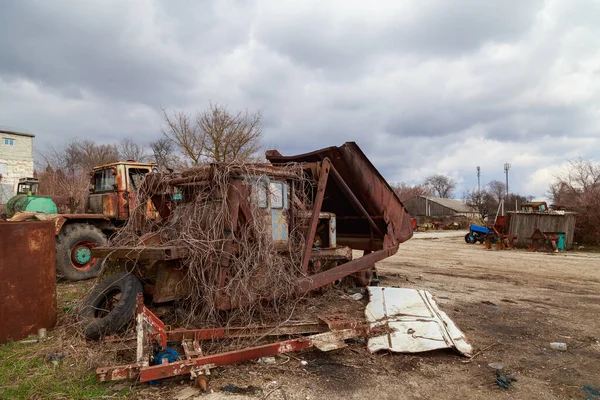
(413,322)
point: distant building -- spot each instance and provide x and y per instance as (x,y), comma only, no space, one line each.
(16,159)
(425,206)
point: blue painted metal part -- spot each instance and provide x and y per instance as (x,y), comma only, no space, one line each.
(83,255)
(167,354)
(479,229)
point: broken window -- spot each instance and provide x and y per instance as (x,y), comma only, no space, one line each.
(104,180)
(136,177)
(27,187)
(277,195)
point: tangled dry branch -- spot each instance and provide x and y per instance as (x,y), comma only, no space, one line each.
(220,241)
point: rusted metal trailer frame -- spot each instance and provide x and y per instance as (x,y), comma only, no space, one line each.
(327,335)
(368,214)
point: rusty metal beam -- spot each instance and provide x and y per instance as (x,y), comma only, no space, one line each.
(139,253)
(179,335)
(324,341)
(314,219)
(331,275)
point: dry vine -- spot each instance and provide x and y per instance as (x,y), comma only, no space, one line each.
(200,223)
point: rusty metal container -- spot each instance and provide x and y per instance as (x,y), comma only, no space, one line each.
(27,278)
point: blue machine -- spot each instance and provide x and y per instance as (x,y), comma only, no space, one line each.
(477,234)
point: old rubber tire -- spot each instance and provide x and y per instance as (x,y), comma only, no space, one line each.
(110,305)
(470,239)
(73,257)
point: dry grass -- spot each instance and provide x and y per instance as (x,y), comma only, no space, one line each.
(61,367)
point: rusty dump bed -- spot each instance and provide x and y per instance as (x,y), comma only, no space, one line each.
(353,175)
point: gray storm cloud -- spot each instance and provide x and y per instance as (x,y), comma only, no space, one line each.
(422,86)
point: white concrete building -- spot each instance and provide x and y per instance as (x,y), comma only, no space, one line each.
(16,159)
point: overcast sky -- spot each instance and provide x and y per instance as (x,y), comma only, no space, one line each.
(422,86)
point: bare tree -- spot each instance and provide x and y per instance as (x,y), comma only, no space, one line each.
(164,154)
(497,189)
(66,169)
(128,149)
(185,135)
(230,136)
(441,185)
(482,201)
(216,135)
(578,188)
(88,154)
(578,183)
(405,192)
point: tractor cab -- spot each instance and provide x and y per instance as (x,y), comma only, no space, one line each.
(114,186)
(28,186)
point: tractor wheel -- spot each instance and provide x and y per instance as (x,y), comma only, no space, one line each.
(74,261)
(470,239)
(110,305)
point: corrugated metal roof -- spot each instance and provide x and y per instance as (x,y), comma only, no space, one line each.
(455,205)
(15,131)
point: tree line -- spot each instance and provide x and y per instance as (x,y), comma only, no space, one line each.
(437,185)
(212,135)
(217,134)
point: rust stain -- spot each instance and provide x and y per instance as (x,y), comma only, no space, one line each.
(27,269)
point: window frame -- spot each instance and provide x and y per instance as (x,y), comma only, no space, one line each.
(281,197)
(111,173)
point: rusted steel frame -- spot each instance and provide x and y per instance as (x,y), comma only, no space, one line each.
(331,275)
(237,356)
(146,317)
(314,219)
(244,206)
(179,335)
(144,373)
(357,218)
(223,302)
(139,253)
(190,180)
(348,192)
(162,205)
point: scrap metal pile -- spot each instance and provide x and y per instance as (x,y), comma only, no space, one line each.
(247,239)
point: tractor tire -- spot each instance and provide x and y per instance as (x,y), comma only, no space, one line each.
(73,256)
(110,305)
(470,239)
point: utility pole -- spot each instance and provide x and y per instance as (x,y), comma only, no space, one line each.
(478,179)
(506,168)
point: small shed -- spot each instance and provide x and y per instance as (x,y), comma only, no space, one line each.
(524,223)
(425,206)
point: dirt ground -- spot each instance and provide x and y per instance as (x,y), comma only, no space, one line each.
(510,303)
